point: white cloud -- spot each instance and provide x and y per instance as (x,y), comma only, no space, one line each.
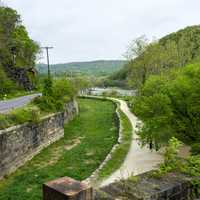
(101,29)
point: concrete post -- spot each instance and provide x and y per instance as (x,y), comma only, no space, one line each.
(67,189)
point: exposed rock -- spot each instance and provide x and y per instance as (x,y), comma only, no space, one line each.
(21,76)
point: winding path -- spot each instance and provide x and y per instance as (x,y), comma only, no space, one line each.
(138,160)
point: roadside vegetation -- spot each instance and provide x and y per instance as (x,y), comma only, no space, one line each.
(189,166)
(55,95)
(87,141)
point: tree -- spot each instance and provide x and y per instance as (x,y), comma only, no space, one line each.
(17,49)
(6,84)
(169,105)
(25,48)
(136,47)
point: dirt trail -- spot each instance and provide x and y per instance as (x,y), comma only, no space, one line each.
(138,160)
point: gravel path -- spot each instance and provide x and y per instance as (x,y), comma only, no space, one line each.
(8,105)
(138,160)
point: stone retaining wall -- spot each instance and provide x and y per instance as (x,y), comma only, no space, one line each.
(21,143)
(172,186)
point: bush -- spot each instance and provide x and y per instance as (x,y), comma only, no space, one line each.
(57,95)
(34,115)
(47,90)
(110,93)
(195,149)
(29,113)
(171,161)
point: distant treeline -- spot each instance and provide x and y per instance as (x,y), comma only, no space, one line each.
(93,68)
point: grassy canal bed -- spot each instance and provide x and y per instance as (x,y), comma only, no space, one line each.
(88,139)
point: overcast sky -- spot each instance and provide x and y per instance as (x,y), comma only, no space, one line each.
(82,30)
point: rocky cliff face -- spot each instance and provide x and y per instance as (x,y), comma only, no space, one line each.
(22,76)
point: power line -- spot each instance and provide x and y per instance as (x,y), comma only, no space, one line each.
(47,51)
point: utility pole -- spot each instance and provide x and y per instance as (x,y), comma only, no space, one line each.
(47,51)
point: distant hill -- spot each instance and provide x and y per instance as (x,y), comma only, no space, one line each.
(95,68)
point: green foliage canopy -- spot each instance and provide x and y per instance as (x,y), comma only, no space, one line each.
(17,49)
(172,51)
(169,105)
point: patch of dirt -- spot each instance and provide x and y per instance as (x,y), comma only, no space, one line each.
(90,153)
(184,151)
(58,152)
(89,162)
(29,190)
(72,144)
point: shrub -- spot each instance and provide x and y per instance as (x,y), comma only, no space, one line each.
(34,115)
(171,160)
(29,113)
(57,94)
(4,122)
(195,149)
(47,90)
(113,93)
(62,88)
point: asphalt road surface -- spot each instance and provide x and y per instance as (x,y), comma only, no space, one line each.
(8,105)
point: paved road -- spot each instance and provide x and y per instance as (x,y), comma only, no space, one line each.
(8,105)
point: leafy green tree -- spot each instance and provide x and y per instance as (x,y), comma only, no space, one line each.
(17,49)
(169,105)
(6,85)
(25,48)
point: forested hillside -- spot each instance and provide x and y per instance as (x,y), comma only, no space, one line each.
(95,68)
(166,75)
(172,51)
(17,53)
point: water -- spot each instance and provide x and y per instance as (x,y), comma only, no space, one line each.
(121,92)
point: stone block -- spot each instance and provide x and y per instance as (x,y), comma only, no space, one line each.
(67,189)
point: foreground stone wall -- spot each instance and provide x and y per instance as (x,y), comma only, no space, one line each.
(19,144)
(172,186)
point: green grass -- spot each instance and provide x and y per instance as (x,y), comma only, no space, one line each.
(120,153)
(88,139)
(29,113)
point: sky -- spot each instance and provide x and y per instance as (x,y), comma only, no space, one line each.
(84,30)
